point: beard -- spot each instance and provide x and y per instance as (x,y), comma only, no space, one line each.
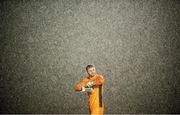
(93,74)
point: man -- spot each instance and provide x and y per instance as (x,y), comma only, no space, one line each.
(95,82)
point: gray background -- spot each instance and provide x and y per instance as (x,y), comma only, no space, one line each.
(45,46)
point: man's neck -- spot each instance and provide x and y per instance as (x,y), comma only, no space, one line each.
(90,77)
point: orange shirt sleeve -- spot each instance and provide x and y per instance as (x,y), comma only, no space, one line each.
(99,80)
(78,86)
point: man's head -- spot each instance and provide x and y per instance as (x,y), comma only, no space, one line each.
(91,70)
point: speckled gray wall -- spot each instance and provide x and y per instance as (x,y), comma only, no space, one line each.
(45,46)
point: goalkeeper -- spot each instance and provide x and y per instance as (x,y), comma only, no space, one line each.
(94,85)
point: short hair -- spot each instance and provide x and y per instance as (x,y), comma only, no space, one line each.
(89,66)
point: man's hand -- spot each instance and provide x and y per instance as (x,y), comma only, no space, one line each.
(86,89)
(83,89)
(90,84)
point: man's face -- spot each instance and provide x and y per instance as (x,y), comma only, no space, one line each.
(91,71)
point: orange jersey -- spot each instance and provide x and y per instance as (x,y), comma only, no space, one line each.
(96,105)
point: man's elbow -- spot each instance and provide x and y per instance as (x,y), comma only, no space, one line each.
(77,89)
(102,82)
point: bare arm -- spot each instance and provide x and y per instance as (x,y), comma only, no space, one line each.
(80,85)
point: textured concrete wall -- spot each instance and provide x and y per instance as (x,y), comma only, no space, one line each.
(45,46)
